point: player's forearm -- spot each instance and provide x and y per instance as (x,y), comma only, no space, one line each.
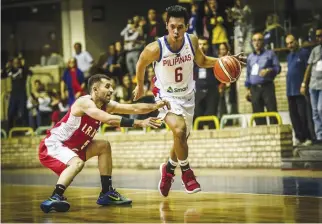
(208,62)
(140,71)
(144,108)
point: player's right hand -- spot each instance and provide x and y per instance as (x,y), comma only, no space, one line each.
(138,92)
(152,122)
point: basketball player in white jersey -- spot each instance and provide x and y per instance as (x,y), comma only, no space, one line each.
(173,57)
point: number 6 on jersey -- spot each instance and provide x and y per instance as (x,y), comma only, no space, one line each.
(178,75)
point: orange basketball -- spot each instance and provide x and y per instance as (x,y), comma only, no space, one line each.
(227,69)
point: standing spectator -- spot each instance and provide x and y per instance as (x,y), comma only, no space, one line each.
(18,96)
(132,46)
(193,19)
(314,74)
(219,34)
(32,106)
(297,62)
(73,79)
(84,60)
(152,28)
(207,95)
(262,67)
(274,32)
(227,92)
(241,15)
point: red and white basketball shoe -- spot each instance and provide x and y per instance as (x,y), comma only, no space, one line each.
(190,183)
(165,181)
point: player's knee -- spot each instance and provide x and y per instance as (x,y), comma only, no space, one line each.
(180,131)
(106,148)
(78,164)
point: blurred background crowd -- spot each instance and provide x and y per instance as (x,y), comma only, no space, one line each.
(222,27)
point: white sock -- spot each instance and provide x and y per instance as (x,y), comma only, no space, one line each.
(173,163)
(183,162)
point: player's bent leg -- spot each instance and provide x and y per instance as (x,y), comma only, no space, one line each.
(57,202)
(178,127)
(108,195)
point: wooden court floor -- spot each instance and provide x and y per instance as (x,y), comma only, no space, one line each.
(20,203)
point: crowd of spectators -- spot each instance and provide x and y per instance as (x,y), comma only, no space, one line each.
(45,106)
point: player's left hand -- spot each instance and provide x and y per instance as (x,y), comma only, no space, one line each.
(163,103)
(152,122)
(138,92)
(241,58)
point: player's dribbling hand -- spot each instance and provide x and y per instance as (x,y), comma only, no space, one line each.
(163,103)
(152,122)
(138,92)
(241,58)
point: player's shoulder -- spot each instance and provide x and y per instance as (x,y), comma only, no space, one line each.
(153,47)
(151,51)
(83,102)
(193,38)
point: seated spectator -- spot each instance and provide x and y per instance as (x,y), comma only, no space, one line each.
(50,58)
(44,106)
(124,91)
(32,106)
(73,78)
(60,107)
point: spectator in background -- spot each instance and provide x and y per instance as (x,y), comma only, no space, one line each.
(241,15)
(50,58)
(262,68)
(314,74)
(124,91)
(274,33)
(152,28)
(207,95)
(132,46)
(219,34)
(17,109)
(193,20)
(32,106)
(227,92)
(120,67)
(297,62)
(59,107)
(84,60)
(44,106)
(163,24)
(73,79)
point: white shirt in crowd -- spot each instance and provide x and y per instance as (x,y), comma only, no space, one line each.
(84,61)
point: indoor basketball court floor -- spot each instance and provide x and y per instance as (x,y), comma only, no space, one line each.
(228,196)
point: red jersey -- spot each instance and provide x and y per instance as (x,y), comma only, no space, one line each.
(74,132)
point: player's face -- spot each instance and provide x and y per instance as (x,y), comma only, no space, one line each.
(105,90)
(176,28)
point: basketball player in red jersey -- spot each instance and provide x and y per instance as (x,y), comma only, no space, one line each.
(173,57)
(70,142)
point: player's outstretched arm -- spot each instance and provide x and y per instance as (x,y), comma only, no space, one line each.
(150,54)
(201,59)
(86,106)
(204,61)
(138,108)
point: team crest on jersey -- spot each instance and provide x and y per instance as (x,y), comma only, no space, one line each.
(170,90)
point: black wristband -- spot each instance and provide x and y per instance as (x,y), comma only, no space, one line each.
(127,122)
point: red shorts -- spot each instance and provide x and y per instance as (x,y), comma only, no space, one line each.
(55,156)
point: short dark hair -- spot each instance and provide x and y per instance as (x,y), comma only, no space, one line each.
(177,11)
(95,79)
(79,44)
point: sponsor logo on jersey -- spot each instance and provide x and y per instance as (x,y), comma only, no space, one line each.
(177,90)
(177,60)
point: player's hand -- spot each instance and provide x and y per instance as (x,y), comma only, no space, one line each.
(241,58)
(152,122)
(163,103)
(138,92)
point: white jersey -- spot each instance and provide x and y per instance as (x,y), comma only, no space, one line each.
(174,70)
